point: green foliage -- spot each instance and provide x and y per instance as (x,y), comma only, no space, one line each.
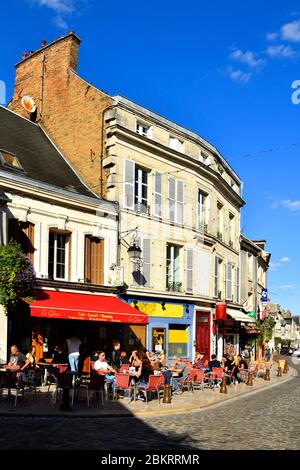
(17,276)
(266,329)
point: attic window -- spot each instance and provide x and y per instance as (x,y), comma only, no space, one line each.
(10,160)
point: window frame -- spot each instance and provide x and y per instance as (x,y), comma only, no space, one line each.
(67,245)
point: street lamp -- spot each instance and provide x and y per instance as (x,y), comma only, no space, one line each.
(134,252)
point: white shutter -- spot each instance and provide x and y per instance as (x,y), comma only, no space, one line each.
(203,272)
(129,184)
(179,202)
(146,254)
(189,269)
(238,285)
(216,275)
(229,281)
(172,199)
(157,194)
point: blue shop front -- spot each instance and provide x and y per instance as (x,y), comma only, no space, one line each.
(170,326)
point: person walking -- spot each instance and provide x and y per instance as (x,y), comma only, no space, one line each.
(74,344)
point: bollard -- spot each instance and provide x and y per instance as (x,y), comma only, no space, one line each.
(223,388)
(167,394)
(267,374)
(285,369)
(65,406)
(249,379)
(279,373)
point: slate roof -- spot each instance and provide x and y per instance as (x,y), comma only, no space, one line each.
(36,153)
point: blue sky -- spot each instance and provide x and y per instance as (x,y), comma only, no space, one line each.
(224,70)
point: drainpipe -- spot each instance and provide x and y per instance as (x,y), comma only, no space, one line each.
(42,77)
(102,147)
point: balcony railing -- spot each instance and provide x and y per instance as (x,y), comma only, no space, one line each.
(174,286)
(219,235)
(202,227)
(142,208)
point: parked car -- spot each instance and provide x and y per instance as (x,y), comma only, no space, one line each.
(296,353)
(284,350)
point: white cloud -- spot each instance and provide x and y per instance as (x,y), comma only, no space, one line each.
(285,259)
(285,287)
(280,51)
(60,6)
(238,76)
(274,266)
(293,206)
(246,58)
(60,22)
(291,31)
(271,36)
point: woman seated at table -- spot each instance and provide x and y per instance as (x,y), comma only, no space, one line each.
(198,361)
(144,371)
(30,362)
(102,366)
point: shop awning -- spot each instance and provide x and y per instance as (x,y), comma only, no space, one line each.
(74,306)
(251,329)
(237,315)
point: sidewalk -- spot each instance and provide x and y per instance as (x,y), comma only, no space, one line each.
(44,406)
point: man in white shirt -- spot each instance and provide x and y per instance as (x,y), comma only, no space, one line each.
(102,365)
(74,344)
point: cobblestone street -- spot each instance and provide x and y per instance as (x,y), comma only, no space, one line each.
(268,419)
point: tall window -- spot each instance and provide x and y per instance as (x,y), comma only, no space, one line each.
(173,268)
(140,190)
(231,229)
(142,129)
(176,144)
(136,179)
(176,200)
(229,281)
(94,260)
(22,233)
(220,223)
(202,209)
(58,260)
(238,285)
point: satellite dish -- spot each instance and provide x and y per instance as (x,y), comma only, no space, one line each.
(28,104)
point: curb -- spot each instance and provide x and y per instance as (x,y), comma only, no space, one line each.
(159,412)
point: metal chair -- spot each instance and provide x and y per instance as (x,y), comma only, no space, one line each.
(155,384)
(124,383)
(188,382)
(95,384)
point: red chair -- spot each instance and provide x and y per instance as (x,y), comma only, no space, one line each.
(123,382)
(199,379)
(188,382)
(61,367)
(155,384)
(124,367)
(217,375)
(187,363)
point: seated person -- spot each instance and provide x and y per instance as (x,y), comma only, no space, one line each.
(243,364)
(179,368)
(16,357)
(101,365)
(144,371)
(30,362)
(214,362)
(198,361)
(124,358)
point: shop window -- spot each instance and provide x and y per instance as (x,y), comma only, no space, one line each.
(158,339)
(178,340)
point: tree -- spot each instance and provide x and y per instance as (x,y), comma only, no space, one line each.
(17,275)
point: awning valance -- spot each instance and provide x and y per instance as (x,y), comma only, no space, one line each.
(237,315)
(75,306)
(251,329)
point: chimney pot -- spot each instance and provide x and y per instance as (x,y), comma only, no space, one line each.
(43,43)
(72,32)
(24,55)
(30,52)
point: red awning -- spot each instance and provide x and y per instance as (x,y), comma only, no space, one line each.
(73,306)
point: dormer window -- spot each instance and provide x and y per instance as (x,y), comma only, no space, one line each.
(8,159)
(142,129)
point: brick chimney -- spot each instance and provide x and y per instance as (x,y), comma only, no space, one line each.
(43,75)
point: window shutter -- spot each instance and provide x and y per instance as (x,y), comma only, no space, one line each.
(203,272)
(172,199)
(229,281)
(136,270)
(189,269)
(179,202)
(216,287)
(129,184)
(238,285)
(87,259)
(146,253)
(157,194)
